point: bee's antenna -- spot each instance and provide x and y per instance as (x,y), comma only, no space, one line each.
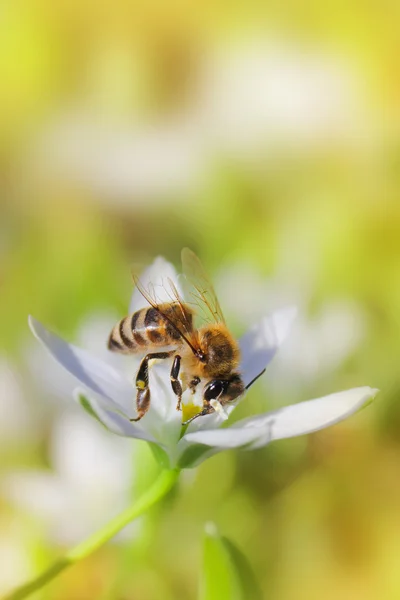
(255,379)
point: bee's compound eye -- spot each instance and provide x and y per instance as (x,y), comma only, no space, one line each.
(214,389)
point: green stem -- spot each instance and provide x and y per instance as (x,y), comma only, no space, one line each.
(157,491)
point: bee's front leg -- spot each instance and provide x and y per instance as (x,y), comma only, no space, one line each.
(175,383)
(142,384)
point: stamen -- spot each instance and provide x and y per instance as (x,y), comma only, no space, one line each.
(217,406)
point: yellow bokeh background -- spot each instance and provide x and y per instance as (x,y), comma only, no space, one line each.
(266,137)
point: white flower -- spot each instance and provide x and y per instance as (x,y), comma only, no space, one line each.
(260,93)
(90,482)
(17,561)
(92,474)
(16,416)
(108,394)
(144,162)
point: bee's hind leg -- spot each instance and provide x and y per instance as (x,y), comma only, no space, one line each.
(142,384)
(175,383)
(142,403)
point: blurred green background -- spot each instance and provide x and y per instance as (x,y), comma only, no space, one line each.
(267,138)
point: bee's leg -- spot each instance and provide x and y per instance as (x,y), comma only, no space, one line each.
(175,383)
(142,383)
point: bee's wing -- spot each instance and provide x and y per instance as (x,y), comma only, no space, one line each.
(200,292)
(180,319)
(153,279)
(183,312)
(147,291)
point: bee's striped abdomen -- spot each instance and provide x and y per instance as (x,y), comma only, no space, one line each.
(144,329)
(137,327)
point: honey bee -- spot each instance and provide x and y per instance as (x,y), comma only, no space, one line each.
(167,329)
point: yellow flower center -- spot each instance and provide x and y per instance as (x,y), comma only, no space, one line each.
(189,411)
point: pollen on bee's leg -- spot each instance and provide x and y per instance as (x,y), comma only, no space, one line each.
(142,403)
(217,406)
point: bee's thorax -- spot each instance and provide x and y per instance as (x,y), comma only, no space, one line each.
(220,350)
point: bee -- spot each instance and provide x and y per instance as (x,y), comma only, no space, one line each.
(167,329)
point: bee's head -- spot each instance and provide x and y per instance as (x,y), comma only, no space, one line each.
(223,390)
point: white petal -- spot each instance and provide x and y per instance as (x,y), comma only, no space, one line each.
(306,417)
(43,493)
(91,371)
(290,421)
(111,420)
(260,344)
(155,277)
(231,437)
(81,452)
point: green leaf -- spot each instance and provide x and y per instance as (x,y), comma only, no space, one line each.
(227,574)
(249,585)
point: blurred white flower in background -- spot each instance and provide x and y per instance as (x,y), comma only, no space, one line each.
(90,481)
(246,98)
(319,343)
(17,417)
(15,558)
(92,472)
(264,93)
(123,161)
